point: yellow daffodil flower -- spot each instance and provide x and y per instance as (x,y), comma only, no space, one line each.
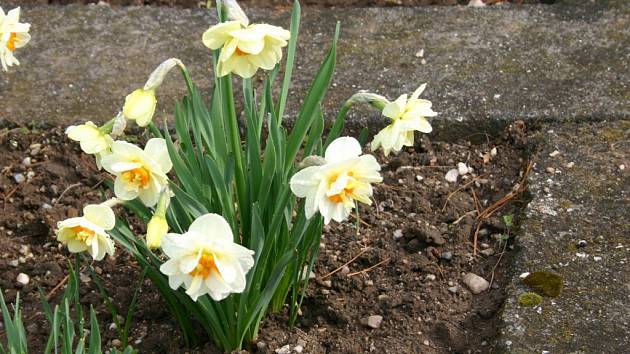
(139,173)
(206,260)
(157,226)
(407,115)
(13,35)
(333,187)
(246,47)
(89,232)
(140,104)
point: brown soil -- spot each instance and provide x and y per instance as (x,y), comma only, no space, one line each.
(286,3)
(419,314)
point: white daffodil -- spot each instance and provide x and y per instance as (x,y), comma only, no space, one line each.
(90,137)
(333,188)
(92,140)
(407,115)
(245,49)
(139,173)
(13,35)
(206,260)
(140,104)
(89,232)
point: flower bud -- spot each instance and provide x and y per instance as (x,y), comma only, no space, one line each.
(156,229)
(157,76)
(140,106)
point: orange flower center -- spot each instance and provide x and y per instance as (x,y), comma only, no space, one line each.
(240,53)
(138,176)
(82,233)
(11,42)
(205,266)
(347,191)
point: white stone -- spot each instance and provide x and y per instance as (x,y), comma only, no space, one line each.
(462,169)
(398,234)
(298,348)
(23,279)
(374,321)
(430,277)
(19,178)
(570,164)
(451,176)
(493,152)
(284,350)
(475,283)
(554,153)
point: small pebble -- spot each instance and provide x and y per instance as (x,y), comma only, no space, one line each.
(284,350)
(475,283)
(550,170)
(327,283)
(383,297)
(369,283)
(582,243)
(19,178)
(570,164)
(493,152)
(46,206)
(23,279)
(451,176)
(484,245)
(30,175)
(26,161)
(420,53)
(554,153)
(487,252)
(14,263)
(344,270)
(462,169)
(430,277)
(398,234)
(116,342)
(453,289)
(622,167)
(298,348)
(419,178)
(524,275)
(374,321)
(447,256)
(426,342)
(597,258)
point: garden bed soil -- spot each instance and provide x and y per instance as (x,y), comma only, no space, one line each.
(412,249)
(285,3)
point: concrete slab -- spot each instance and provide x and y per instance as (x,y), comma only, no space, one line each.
(483,66)
(590,201)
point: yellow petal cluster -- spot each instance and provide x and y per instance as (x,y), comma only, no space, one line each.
(246,48)
(407,115)
(89,232)
(13,35)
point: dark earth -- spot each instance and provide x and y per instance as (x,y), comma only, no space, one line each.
(412,245)
(286,3)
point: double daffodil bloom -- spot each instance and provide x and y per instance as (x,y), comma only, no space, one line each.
(206,260)
(92,140)
(344,178)
(246,47)
(407,115)
(13,35)
(139,173)
(89,232)
(140,104)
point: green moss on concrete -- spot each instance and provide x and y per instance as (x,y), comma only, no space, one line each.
(529,299)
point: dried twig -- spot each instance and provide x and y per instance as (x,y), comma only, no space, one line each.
(489,211)
(458,190)
(497,264)
(65,191)
(345,264)
(369,268)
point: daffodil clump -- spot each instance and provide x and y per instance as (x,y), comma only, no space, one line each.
(233,221)
(13,35)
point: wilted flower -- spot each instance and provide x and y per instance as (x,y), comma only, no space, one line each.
(245,49)
(140,104)
(157,226)
(13,35)
(333,188)
(206,260)
(407,115)
(139,173)
(88,232)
